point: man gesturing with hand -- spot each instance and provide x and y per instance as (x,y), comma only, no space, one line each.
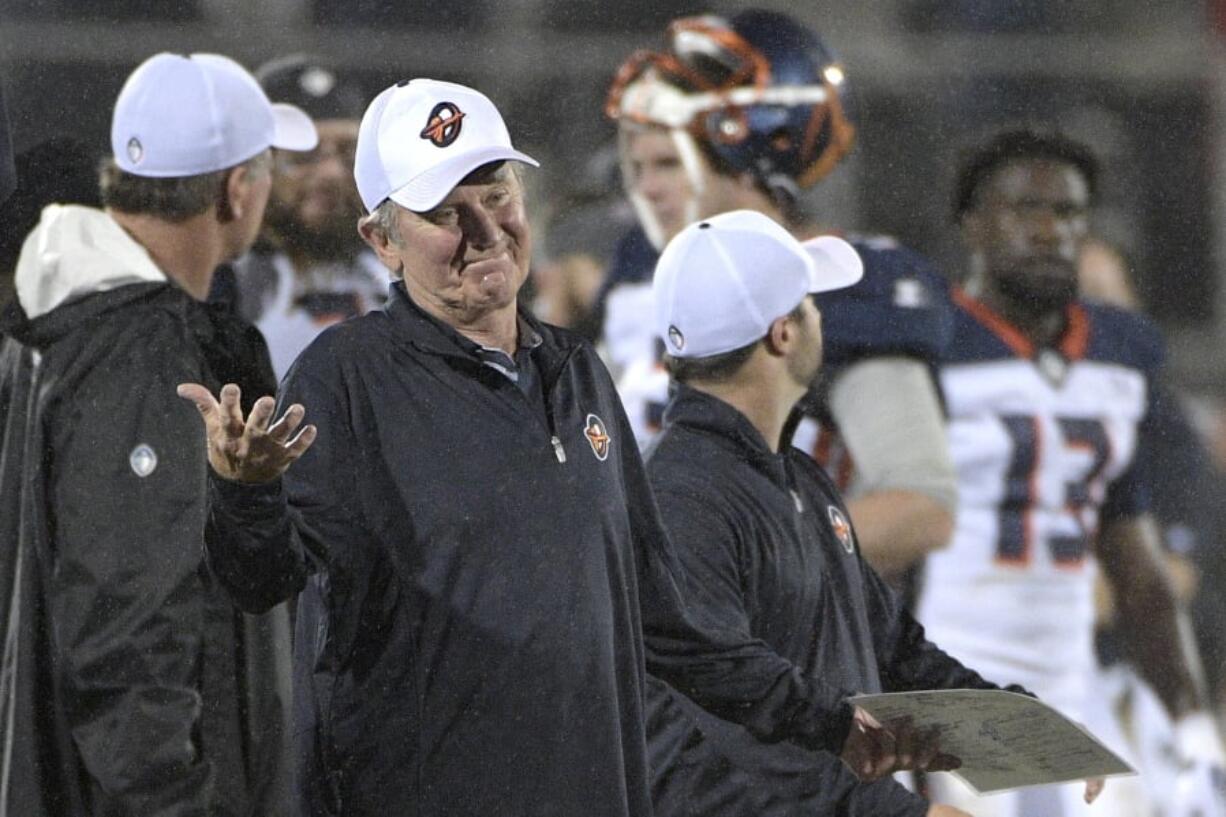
(251,450)
(482,575)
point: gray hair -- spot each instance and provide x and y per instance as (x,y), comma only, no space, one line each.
(385,219)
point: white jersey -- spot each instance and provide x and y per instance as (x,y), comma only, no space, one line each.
(1043,444)
(291,308)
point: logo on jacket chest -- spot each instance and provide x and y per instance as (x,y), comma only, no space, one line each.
(597,436)
(143,460)
(842,529)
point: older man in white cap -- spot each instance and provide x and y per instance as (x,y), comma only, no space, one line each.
(485,575)
(129,684)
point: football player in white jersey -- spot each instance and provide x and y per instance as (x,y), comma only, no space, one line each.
(1045,394)
(742,114)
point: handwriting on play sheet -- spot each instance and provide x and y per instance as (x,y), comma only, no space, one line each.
(1005,740)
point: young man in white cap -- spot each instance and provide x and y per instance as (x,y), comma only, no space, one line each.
(130,684)
(484,576)
(764,537)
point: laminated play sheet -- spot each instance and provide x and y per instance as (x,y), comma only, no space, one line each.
(1004,740)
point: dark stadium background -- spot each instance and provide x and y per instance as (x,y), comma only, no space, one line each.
(1143,81)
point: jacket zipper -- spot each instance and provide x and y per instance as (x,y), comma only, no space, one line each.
(547,393)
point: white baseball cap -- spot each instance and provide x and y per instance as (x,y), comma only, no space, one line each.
(184,116)
(720,283)
(419,138)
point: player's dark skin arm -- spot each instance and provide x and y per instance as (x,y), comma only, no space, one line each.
(1147,612)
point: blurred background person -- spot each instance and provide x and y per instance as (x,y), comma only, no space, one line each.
(1047,396)
(745,113)
(577,249)
(577,243)
(1208,414)
(311,269)
(1104,274)
(1182,489)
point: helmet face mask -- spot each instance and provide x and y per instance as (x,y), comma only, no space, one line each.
(759,94)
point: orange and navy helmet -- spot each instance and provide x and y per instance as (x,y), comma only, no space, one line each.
(759,91)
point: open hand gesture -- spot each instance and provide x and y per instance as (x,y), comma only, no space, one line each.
(250,450)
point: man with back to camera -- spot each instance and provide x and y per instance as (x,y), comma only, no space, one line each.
(1045,394)
(312,269)
(745,113)
(463,649)
(130,683)
(760,529)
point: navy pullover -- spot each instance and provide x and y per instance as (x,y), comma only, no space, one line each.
(768,553)
(483,585)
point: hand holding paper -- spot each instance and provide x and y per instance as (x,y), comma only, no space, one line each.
(1004,740)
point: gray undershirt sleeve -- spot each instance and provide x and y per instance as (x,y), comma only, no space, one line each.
(897,444)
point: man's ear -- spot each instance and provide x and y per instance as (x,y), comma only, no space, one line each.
(377,239)
(780,336)
(235,194)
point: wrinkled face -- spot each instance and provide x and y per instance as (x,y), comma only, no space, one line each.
(315,202)
(469,255)
(1026,230)
(806,358)
(654,169)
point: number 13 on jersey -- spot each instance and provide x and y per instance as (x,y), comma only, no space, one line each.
(1054,484)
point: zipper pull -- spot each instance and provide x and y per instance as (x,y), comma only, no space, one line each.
(557,448)
(800,506)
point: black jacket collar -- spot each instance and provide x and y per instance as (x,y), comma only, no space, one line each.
(700,412)
(428,334)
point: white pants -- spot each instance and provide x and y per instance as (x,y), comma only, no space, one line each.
(1045,801)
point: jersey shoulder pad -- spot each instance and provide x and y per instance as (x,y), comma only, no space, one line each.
(1120,336)
(978,336)
(634,259)
(900,307)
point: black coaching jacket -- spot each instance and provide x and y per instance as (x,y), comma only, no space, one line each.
(129,684)
(768,552)
(485,581)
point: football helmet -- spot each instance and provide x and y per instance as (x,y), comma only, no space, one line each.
(759,92)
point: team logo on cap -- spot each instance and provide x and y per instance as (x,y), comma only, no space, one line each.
(842,528)
(136,151)
(598,436)
(676,338)
(316,81)
(443,127)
